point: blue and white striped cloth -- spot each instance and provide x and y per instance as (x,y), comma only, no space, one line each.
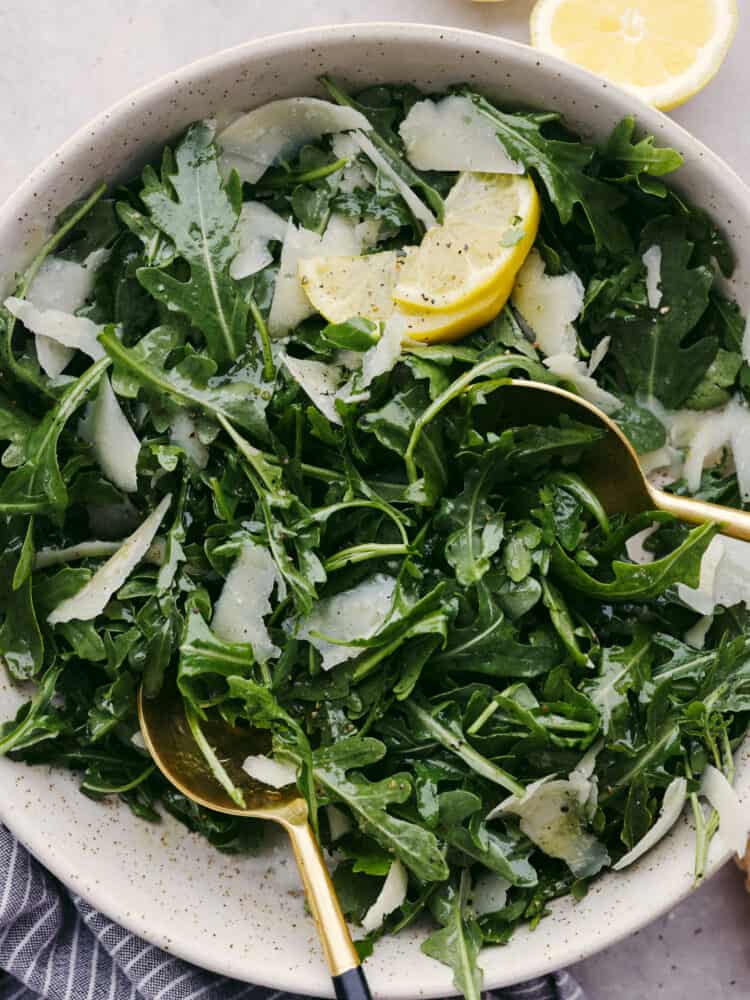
(54,945)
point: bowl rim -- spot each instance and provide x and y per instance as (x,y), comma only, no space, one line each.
(269,47)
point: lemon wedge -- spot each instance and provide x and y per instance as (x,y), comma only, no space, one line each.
(489,226)
(341,287)
(663,50)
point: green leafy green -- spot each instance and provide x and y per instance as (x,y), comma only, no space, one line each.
(457,944)
(640,581)
(561,166)
(37,484)
(198,213)
(650,347)
(640,161)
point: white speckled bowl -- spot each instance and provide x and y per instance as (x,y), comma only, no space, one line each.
(245,917)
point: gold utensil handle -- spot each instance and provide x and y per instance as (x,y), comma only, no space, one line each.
(735,523)
(338,947)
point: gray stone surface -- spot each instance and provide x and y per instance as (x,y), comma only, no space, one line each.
(61,63)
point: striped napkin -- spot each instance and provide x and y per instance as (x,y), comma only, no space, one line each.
(54,945)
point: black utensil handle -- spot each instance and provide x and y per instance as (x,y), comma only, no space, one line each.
(351,985)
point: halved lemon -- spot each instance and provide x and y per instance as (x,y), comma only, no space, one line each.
(663,50)
(342,287)
(490,224)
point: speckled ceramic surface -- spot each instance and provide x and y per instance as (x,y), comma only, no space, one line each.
(245,917)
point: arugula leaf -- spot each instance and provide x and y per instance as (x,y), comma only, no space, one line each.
(621,670)
(37,485)
(457,944)
(15,427)
(394,426)
(650,347)
(21,642)
(561,166)
(417,848)
(204,658)
(714,388)
(191,206)
(500,851)
(639,582)
(641,161)
(476,530)
(447,731)
(37,720)
(490,645)
(113,703)
(644,431)
(241,397)
(356,334)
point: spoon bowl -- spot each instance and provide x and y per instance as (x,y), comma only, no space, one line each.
(610,466)
(170,741)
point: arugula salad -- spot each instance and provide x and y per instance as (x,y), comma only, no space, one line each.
(255,446)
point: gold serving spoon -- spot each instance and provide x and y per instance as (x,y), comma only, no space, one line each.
(174,750)
(610,466)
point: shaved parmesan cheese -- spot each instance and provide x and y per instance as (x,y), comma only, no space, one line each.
(94,596)
(552,816)
(598,354)
(270,772)
(256,227)
(340,238)
(489,893)
(367,233)
(64,284)
(724,579)
(665,458)
(716,430)
(703,435)
(452,134)
(53,357)
(696,634)
(549,304)
(290,305)
(184,434)
(258,139)
(137,740)
(355,174)
(674,799)
(321,382)
(339,823)
(634,546)
(383,356)
(734,817)
(416,206)
(587,763)
(652,262)
(714,434)
(244,601)
(358,613)
(391,896)
(573,370)
(69,332)
(116,447)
